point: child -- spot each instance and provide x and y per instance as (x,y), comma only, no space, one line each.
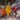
(14,9)
(3,12)
(8,10)
(0,11)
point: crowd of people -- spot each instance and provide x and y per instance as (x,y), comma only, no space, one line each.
(9,8)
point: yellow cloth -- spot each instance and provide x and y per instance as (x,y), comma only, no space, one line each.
(8,9)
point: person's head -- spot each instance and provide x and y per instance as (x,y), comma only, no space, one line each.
(8,3)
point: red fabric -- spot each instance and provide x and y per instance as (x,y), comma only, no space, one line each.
(14,9)
(4,12)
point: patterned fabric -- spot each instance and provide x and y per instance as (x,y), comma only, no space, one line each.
(8,9)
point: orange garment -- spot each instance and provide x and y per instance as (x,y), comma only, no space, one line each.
(3,12)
